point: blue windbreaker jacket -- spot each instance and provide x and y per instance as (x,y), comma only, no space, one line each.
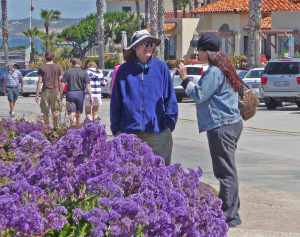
(143,98)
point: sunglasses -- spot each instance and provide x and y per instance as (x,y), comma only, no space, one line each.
(148,43)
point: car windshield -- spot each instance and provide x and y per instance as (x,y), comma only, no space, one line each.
(193,71)
(105,73)
(242,74)
(282,68)
(24,72)
(32,74)
(255,74)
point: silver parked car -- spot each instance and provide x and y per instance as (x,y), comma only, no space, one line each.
(30,82)
(281,82)
(253,79)
(194,73)
(108,75)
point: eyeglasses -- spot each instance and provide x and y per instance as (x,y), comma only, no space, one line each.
(148,43)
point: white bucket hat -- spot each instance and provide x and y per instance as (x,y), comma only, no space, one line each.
(137,37)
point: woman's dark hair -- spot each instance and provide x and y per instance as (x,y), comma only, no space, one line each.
(221,60)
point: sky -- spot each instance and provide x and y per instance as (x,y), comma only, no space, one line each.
(20,9)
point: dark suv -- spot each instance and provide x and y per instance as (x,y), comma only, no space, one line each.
(3,70)
(281,82)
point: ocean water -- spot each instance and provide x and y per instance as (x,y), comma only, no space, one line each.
(14,42)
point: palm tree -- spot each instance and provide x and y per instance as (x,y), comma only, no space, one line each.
(32,34)
(161,30)
(175,8)
(147,13)
(52,39)
(5,29)
(48,16)
(100,31)
(253,54)
(137,5)
(153,24)
(183,3)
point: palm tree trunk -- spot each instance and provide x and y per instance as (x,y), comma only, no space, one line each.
(137,5)
(32,51)
(253,54)
(147,24)
(47,36)
(100,31)
(5,29)
(175,8)
(195,4)
(153,24)
(161,30)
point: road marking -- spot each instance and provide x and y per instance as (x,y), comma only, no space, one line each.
(245,127)
(240,153)
(251,128)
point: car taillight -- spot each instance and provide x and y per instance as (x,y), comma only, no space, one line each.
(201,72)
(264,80)
(298,80)
(106,80)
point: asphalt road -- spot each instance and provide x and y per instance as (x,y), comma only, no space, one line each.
(268,153)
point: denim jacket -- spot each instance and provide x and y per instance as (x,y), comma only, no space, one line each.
(216,100)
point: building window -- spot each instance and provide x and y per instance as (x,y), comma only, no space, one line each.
(126,9)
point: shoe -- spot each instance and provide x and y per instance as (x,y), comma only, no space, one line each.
(12,114)
(234,223)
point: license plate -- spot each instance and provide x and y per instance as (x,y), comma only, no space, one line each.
(281,83)
(255,85)
(30,82)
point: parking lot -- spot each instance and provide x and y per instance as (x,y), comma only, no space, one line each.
(267,156)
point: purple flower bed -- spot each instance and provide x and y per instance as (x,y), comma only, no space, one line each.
(85,185)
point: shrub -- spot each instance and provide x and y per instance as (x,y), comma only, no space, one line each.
(86,185)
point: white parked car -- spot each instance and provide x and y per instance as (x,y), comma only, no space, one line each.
(108,75)
(30,82)
(194,73)
(253,80)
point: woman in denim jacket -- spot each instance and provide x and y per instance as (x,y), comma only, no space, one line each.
(216,100)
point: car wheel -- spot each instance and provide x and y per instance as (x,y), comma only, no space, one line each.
(271,105)
(26,94)
(298,104)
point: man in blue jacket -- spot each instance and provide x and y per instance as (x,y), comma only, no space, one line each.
(143,100)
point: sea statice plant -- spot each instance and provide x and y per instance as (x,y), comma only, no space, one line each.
(85,184)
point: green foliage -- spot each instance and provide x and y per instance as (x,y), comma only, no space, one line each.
(172,63)
(84,34)
(65,63)
(95,59)
(111,61)
(116,22)
(62,52)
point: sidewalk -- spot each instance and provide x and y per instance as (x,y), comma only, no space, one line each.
(267,213)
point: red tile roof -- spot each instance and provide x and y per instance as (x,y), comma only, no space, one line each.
(167,27)
(170,15)
(266,24)
(242,6)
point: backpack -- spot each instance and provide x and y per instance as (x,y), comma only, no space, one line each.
(248,101)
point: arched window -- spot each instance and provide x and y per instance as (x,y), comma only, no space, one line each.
(224,27)
(227,39)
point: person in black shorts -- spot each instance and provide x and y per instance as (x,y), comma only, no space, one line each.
(77,80)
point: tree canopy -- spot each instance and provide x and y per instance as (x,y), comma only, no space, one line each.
(83,35)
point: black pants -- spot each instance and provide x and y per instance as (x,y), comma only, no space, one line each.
(222,145)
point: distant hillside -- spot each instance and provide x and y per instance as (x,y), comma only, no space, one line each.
(15,26)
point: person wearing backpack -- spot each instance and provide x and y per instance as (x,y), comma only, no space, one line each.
(216,97)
